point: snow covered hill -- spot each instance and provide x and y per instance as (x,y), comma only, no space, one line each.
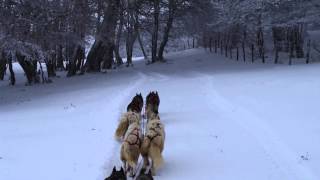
(224,120)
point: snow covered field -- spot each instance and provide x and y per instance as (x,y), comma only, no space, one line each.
(224,120)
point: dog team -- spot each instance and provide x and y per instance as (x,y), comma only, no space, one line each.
(134,142)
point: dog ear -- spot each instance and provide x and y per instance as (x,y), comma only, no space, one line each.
(121,170)
(114,169)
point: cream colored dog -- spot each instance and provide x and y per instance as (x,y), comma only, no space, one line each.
(126,119)
(153,142)
(130,148)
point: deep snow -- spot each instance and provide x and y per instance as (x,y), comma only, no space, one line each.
(224,120)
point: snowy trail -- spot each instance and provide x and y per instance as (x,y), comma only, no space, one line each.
(121,100)
(195,131)
(274,148)
(224,120)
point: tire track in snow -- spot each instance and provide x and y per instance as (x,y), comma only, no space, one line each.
(121,100)
(278,153)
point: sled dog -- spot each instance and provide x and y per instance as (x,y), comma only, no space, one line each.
(130,148)
(153,143)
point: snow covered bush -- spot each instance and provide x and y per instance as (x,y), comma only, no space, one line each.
(28,55)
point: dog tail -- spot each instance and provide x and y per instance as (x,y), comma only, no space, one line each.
(122,128)
(156,156)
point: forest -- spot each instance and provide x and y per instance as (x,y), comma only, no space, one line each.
(80,36)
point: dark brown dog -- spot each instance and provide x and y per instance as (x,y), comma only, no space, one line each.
(143,176)
(136,104)
(153,102)
(117,175)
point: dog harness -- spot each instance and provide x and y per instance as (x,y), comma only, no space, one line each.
(135,132)
(130,120)
(156,133)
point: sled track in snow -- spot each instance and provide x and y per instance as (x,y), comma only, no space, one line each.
(274,148)
(122,99)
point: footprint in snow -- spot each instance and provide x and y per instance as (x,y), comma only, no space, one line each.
(214,136)
(305,157)
(72,106)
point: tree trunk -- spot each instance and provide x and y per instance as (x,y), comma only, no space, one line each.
(226,50)
(298,31)
(308,52)
(204,41)
(237,53)
(50,64)
(141,46)
(244,46)
(119,60)
(193,43)
(29,68)
(12,76)
(260,40)
(103,47)
(215,46)
(167,29)
(68,54)
(221,47)
(154,47)
(227,43)
(291,49)
(60,65)
(132,30)
(99,14)
(76,61)
(44,80)
(276,59)
(3,66)
(252,53)
(131,38)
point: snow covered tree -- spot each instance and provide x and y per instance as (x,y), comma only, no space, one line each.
(101,53)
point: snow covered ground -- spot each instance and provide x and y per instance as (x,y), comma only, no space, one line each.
(224,120)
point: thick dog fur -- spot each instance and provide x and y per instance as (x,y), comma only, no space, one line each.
(153,97)
(130,148)
(153,143)
(126,119)
(136,104)
(151,113)
(153,102)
